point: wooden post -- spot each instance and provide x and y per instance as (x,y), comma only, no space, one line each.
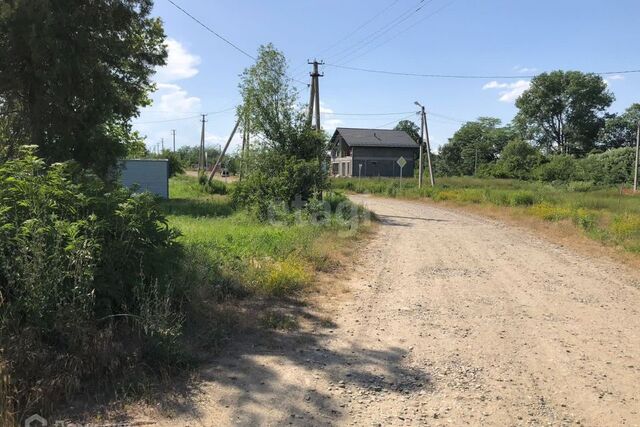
(426,128)
(224,150)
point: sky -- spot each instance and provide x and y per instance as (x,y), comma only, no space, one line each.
(492,38)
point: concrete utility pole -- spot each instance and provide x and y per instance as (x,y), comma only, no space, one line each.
(162,144)
(314,97)
(635,171)
(420,143)
(201,160)
(173,133)
(426,132)
(224,151)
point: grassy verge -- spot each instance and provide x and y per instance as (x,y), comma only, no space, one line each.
(232,257)
(606,214)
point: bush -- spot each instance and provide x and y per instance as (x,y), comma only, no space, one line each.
(278,179)
(75,254)
(611,167)
(559,168)
(517,160)
(215,187)
(523,198)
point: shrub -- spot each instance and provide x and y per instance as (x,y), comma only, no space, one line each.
(580,186)
(611,167)
(74,252)
(215,187)
(523,198)
(559,168)
(517,160)
(279,179)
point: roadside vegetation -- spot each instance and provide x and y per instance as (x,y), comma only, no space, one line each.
(606,213)
(106,293)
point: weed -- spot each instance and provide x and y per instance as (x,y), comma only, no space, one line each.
(280,321)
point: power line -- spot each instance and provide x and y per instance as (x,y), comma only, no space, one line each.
(399,33)
(205,26)
(233,45)
(380,32)
(360,27)
(462,76)
(185,118)
(369,114)
(395,121)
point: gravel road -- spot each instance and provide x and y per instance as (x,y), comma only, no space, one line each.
(450,319)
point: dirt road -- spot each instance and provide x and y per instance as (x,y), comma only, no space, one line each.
(450,319)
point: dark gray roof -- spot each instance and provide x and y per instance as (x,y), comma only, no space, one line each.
(355,137)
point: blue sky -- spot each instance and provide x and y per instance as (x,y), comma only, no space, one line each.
(461,37)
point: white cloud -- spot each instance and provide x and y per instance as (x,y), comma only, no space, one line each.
(171,98)
(180,63)
(613,78)
(509,91)
(524,70)
(328,119)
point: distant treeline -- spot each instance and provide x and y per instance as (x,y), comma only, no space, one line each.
(560,133)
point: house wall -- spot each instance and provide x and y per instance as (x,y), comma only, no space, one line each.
(146,175)
(382,161)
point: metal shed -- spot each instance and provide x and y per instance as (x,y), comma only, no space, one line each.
(146,175)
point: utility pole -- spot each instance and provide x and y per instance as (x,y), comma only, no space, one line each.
(426,131)
(162,144)
(224,151)
(420,143)
(173,133)
(314,97)
(201,161)
(635,171)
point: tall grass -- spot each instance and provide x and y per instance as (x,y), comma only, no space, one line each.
(605,213)
(246,255)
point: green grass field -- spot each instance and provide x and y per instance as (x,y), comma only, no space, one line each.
(604,213)
(243,253)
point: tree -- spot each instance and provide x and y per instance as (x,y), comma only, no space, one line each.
(562,111)
(475,144)
(286,164)
(517,160)
(620,130)
(412,129)
(71,70)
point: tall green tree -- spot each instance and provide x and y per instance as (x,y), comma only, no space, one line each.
(412,129)
(270,105)
(288,163)
(620,129)
(563,111)
(73,72)
(473,145)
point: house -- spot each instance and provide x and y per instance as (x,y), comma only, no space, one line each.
(372,152)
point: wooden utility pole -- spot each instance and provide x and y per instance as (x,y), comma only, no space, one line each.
(314,97)
(224,150)
(426,130)
(173,133)
(201,159)
(635,171)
